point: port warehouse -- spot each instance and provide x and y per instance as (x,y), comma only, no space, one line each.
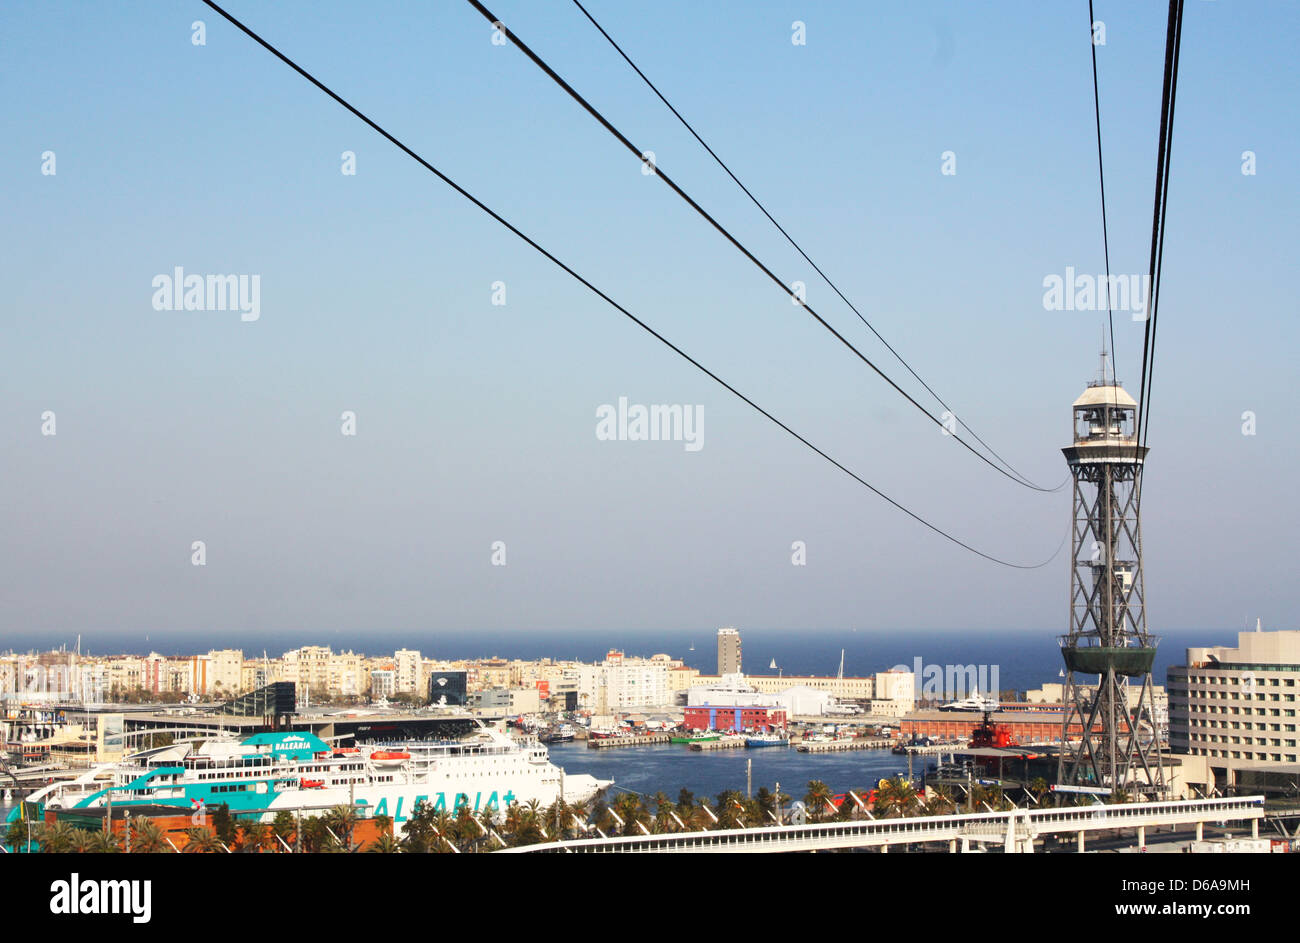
(711,717)
(1037,726)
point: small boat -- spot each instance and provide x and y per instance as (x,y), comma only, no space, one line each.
(389,757)
(562,733)
(702,737)
(313,784)
(767,740)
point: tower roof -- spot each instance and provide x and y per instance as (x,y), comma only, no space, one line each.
(1107,393)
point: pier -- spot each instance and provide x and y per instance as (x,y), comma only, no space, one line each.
(835,746)
(725,743)
(601,743)
(940,749)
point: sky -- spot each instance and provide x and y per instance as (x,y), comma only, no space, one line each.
(476,433)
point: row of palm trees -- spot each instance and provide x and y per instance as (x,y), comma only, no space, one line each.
(331,831)
(439,831)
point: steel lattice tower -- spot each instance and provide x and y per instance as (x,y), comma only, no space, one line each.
(1108,645)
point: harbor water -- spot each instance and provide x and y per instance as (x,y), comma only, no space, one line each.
(668,768)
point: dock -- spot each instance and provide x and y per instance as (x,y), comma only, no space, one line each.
(638,741)
(835,746)
(939,749)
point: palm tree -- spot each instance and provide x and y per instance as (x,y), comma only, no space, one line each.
(629,808)
(202,841)
(558,819)
(465,832)
(314,837)
(730,810)
(342,819)
(103,843)
(385,844)
(283,827)
(685,802)
(526,824)
(580,811)
(81,839)
(147,837)
(980,795)
(848,808)
(940,802)
(600,816)
(895,798)
(664,810)
(818,799)
(57,838)
(255,837)
(699,818)
(420,833)
(16,837)
(223,824)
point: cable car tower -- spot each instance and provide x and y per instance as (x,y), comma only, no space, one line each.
(1108,647)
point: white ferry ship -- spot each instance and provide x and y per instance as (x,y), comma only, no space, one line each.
(261,775)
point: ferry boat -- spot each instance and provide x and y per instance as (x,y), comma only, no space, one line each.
(263,774)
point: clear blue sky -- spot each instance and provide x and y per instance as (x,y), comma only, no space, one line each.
(476,423)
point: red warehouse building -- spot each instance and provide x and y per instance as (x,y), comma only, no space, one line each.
(711,717)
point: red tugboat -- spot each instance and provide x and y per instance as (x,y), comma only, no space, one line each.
(989,734)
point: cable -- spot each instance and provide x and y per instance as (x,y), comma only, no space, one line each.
(790,239)
(1101,173)
(604,297)
(1173,42)
(541,64)
(1164,225)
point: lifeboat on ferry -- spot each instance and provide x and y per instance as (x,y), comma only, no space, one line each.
(389,757)
(313,784)
(346,751)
